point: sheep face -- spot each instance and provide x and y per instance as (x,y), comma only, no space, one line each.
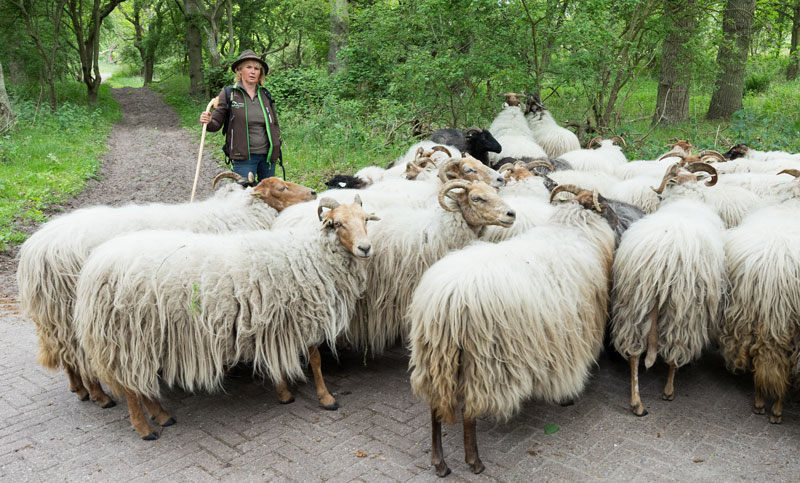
(517,171)
(737,151)
(677,174)
(479,203)
(281,194)
(470,169)
(512,98)
(481,141)
(350,224)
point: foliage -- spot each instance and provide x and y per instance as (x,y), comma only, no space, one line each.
(49,156)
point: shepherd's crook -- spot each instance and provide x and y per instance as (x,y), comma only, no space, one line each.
(211,104)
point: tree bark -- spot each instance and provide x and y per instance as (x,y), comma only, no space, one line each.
(675,77)
(6,113)
(34,28)
(338,34)
(794,53)
(732,59)
(194,48)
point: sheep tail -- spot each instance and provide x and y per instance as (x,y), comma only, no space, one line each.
(436,374)
(652,339)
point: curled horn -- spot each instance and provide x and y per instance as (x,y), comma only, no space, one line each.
(596,201)
(569,188)
(620,141)
(710,153)
(471,131)
(446,168)
(326,203)
(419,152)
(536,164)
(793,172)
(447,187)
(506,167)
(672,171)
(595,140)
(442,149)
(225,174)
(671,154)
(695,167)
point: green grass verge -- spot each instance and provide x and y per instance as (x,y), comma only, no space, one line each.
(49,156)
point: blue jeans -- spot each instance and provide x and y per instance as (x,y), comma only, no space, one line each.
(257,164)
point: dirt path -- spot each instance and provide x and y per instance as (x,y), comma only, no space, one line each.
(150,158)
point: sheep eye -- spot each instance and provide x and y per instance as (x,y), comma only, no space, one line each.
(283,188)
(337,224)
(478,199)
(469,170)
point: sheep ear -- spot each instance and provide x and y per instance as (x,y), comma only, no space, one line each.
(357,199)
(373,218)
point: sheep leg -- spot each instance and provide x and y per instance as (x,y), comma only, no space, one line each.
(328,402)
(636,401)
(76,383)
(282,390)
(138,421)
(758,403)
(437,454)
(669,388)
(157,413)
(471,445)
(97,395)
(652,339)
(776,413)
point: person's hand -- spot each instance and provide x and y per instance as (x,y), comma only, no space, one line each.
(205,117)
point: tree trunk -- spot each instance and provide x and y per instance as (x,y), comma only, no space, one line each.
(675,78)
(732,59)
(794,54)
(194,47)
(6,114)
(34,31)
(231,39)
(338,34)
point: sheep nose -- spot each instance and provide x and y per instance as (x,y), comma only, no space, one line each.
(511,213)
(313,193)
(365,249)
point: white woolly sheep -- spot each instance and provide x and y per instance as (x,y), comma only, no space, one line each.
(181,308)
(669,281)
(52,258)
(510,129)
(480,340)
(607,158)
(554,139)
(412,240)
(742,151)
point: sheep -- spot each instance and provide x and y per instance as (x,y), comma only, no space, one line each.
(495,324)
(511,130)
(475,141)
(742,151)
(554,139)
(410,241)
(181,308)
(669,280)
(52,258)
(606,158)
(761,332)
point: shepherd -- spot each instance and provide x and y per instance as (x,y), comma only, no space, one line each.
(246,114)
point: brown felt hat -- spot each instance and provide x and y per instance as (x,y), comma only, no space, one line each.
(249,55)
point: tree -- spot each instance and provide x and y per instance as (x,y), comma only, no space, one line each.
(794,52)
(194,49)
(212,12)
(732,59)
(86,18)
(6,113)
(147,24)
(675,77)
(338,34)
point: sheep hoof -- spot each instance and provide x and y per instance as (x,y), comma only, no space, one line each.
(758,410)
(151,437)
(775,419)
(570,402)
(477,467)
(442,470)
(331,407)
(83,396)
(169,422)
(668,397)
(288,401)
(109,404)
(639,411)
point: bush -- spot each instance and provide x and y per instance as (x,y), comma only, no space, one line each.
(757,83)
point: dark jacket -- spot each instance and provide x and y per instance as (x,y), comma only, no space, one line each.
(236,139)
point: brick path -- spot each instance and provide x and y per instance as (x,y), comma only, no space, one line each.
(46,434)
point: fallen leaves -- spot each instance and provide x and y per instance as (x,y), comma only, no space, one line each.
(698,460)
(361,454)
(550,428)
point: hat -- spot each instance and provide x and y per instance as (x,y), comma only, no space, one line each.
(249,55)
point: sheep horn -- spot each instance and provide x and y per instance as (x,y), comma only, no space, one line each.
(442,149)
(672,171)
(225,174)
(569,188)
(447,167)
(506,167)
(419,152)
(447,187)
(327,203)
(710,153)
(536,164)
(471,131)
(695,167)
(620,141)
(793,172)
(671,154)
(595,140)
(596,201)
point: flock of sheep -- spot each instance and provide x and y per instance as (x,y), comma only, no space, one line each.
(502,290)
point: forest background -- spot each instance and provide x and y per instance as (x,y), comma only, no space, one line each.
(356,82)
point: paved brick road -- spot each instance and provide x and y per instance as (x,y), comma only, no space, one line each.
(46,434)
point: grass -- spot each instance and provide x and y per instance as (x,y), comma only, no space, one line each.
(49,156)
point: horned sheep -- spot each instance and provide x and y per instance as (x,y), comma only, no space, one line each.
(554,139)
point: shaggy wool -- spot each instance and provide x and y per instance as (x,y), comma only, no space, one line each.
(554,139)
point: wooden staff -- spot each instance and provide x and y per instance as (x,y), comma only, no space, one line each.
(211,104)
